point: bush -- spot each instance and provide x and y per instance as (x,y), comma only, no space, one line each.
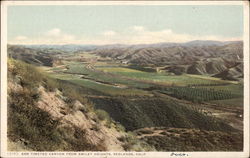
(30,76)
(73,92)
(95,127)
(102,115)
(131,143)
(120,127)
(146,131)
(50,84)
(27,121)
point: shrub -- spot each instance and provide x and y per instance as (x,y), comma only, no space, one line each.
(27,121)
(146,131)
(95,127)
(50,84)
(74,92)
(102,115)
(131,143)
(30,76)
(122,138)
(120,127)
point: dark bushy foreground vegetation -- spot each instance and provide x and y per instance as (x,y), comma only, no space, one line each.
(26,121)
(178,139)
(153,112)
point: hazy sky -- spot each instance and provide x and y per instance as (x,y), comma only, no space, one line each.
(122,24)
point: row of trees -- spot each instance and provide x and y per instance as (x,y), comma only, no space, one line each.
(198,94)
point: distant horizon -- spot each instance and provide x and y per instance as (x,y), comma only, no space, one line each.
(131,44)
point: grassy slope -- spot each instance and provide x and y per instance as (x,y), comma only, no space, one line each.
(150,112)
(27,121)
(181,139)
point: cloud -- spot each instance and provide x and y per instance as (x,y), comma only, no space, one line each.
(142,35)
(53,32)
(53,36)
(21,38)
(109,33)
(130,35)
(57,34)
(138,28)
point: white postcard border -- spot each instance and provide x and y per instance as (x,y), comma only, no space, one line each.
(4,152)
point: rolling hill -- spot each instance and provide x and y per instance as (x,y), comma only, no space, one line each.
(29,55)
(196,57)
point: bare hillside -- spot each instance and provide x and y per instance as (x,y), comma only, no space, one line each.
(192,58)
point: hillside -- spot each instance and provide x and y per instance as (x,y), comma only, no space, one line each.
(196,57)
(156,112)
(181,139)
(233,73)
(43,118)
(38,57)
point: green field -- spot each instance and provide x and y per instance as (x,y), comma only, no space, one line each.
(119,80)
(104,88)
(79,68)
(161,77)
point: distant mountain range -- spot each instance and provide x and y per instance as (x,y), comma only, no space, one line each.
(68,47)
(77,47)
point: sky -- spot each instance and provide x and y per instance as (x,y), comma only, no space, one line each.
(123,24)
